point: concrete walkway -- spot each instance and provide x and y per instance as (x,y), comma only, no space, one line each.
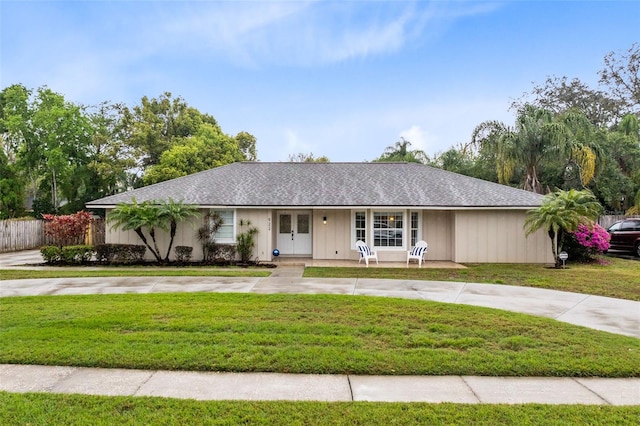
(319,387)
(601,313)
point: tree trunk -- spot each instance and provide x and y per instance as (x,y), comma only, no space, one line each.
(172,234)
(140,234)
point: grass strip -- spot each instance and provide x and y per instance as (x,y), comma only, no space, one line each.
(18,274)
(303,334)
(619,278)
(52,409)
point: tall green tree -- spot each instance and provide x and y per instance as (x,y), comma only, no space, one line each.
(207,149)
(47,138)
(537,137)
(562,212)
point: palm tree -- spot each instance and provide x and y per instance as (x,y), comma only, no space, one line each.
(400,152)
(536,138)
(137,217)
(174,212)
(150,215)
(561,212)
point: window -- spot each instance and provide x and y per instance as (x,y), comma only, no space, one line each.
(361,226)
(415,228)
(388,229)
(226,232)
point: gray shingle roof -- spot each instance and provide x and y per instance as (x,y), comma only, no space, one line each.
(289,184)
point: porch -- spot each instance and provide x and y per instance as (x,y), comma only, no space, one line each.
(339,263)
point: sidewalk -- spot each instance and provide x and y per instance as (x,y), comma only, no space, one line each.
(315,387)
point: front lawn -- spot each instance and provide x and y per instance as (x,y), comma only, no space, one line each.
(303,334)
(620,278)
(69,410)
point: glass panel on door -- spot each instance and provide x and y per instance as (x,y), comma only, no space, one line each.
(303,223)
(285,223)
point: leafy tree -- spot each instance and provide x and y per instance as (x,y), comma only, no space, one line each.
(157,124)
(11,190)
(207,149)
(48,139)
(111,158)
(307,158)
(400,151)
(562,212)
(621,75)
(559,94)
(247,144)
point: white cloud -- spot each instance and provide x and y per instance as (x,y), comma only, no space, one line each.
(416,136)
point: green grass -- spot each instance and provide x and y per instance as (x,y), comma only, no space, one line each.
(303,334)
(51,409)
(620,278)
(16,274)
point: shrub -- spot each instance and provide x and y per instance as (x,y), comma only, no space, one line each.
(225,252)
(67,229)
(77,254)
(120,253)
(246,241)
(584,244)
(51,254)
(183,253)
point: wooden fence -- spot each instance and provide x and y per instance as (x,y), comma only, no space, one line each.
(608,220)
(19,234)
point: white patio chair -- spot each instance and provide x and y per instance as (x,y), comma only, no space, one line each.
(366,253)
(417,253)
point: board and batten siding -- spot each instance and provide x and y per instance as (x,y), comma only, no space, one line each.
(495,236)
(332,240)
(437,231)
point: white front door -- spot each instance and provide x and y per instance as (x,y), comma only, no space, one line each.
(294,233)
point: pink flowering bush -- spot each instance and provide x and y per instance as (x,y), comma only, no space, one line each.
(587,242)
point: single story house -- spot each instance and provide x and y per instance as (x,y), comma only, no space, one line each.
(320,210)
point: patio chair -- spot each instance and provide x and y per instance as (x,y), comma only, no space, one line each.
(417,253)
(366,253)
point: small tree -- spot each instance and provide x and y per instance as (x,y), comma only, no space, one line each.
(206,235)
(138,217)
(561,212)
(174,212)
(67,229)
(246,241)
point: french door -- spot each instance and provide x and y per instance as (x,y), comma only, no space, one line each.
(294,232)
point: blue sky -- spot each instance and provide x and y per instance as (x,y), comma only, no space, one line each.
(343,79)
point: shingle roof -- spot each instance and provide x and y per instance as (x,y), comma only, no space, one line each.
(291,184)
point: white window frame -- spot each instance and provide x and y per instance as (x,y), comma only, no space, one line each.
(404,228)
(419,228)
(354,236)
(227,240)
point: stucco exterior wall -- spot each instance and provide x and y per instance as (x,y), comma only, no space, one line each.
(497,237)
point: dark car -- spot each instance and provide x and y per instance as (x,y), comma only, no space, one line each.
(625,235)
